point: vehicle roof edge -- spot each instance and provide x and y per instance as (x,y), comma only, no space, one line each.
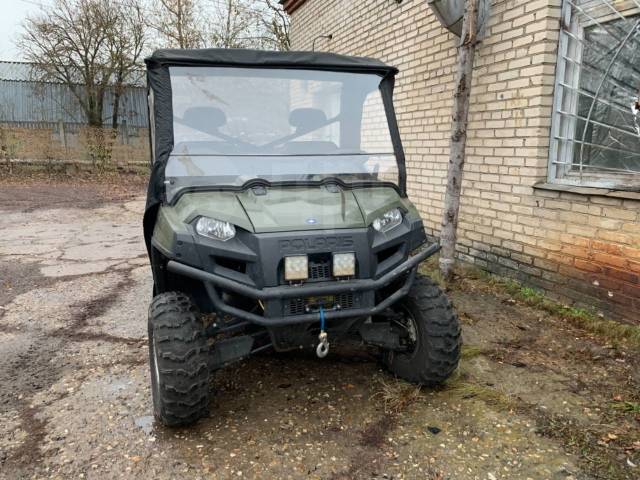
(238,57)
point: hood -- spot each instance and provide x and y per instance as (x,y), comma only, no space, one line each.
(290,209)
(303,208)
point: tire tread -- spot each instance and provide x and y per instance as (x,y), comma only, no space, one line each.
(440,334)
(182,356)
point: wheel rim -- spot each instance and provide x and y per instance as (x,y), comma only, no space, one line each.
(156,369)
(409,324)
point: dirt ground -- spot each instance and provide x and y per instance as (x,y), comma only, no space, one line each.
(534,398)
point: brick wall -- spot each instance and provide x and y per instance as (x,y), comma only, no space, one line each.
(582,248)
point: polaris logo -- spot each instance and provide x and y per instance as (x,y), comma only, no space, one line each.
(315,243)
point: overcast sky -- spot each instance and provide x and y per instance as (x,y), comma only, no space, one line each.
(11,18)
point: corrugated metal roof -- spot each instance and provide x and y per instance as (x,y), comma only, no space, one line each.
(23,99)
(16,71)
(28,72)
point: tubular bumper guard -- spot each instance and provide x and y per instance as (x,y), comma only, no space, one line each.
(211,281)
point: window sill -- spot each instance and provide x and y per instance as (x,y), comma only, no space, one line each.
(601,192)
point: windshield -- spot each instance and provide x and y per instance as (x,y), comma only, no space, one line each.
(231,125)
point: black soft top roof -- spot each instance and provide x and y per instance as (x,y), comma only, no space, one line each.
(238,57)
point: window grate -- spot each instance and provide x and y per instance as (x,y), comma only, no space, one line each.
(595,137)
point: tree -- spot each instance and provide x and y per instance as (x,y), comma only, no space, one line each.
(278,25)
(233,25)
(68,43)
(126,45)
(88,45)
(177,23)
(462,89)
(261,24)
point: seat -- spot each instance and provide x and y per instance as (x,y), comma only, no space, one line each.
(206,119)
(307,119)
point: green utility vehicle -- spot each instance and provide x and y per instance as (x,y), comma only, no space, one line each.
(277,218)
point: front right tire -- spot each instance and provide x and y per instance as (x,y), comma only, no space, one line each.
(434,332)
(178,359)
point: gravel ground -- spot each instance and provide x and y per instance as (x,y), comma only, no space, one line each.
(534,397)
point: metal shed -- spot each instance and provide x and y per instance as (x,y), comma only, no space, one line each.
(25,101)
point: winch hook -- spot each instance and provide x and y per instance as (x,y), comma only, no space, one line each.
(323,347)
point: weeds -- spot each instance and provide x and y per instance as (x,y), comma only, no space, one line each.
(471,351)
(585,319)
(489,395)
(579,317)
(397,395)
(628,407)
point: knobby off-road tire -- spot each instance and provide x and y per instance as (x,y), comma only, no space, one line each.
(436,350)
(178,354)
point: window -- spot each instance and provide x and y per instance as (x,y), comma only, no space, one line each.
(595,137)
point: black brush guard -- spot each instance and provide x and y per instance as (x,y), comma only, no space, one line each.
(212,281)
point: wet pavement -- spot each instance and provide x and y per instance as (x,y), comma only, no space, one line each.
(75,399)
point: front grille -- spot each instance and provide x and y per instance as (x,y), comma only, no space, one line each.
(345,300)
(296,306)
(300,306)
(319,269)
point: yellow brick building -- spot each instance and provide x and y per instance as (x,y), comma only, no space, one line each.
(551,191)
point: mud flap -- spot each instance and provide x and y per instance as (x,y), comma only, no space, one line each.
(381,334)
(230,350)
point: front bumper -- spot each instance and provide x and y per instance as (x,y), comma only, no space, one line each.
(212,282)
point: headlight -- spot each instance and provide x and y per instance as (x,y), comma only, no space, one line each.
(389,220)
(344,264)
(296,267)
(212,228)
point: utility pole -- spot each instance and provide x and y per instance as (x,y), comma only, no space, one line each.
(460,113)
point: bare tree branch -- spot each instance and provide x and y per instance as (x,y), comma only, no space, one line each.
(177,23)
(88,45)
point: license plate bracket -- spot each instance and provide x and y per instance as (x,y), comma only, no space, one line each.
(327,302)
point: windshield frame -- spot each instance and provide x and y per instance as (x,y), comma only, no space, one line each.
(160,84)
(261,182)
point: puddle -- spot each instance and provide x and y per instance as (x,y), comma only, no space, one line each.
(118,386)
(145,423)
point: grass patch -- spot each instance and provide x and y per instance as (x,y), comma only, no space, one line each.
(579,317)
(582,318)
(489,395)
(397,395)
(430,268)
(471,351)
(628,407)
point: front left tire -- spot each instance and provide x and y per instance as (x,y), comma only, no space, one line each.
(178,359)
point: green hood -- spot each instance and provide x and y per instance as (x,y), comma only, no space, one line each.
(301,209)
(288,209)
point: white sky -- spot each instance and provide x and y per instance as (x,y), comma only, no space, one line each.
(11,17)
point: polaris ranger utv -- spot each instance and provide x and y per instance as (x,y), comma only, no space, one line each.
(277,217)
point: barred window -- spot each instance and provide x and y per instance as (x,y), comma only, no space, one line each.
(595,137)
